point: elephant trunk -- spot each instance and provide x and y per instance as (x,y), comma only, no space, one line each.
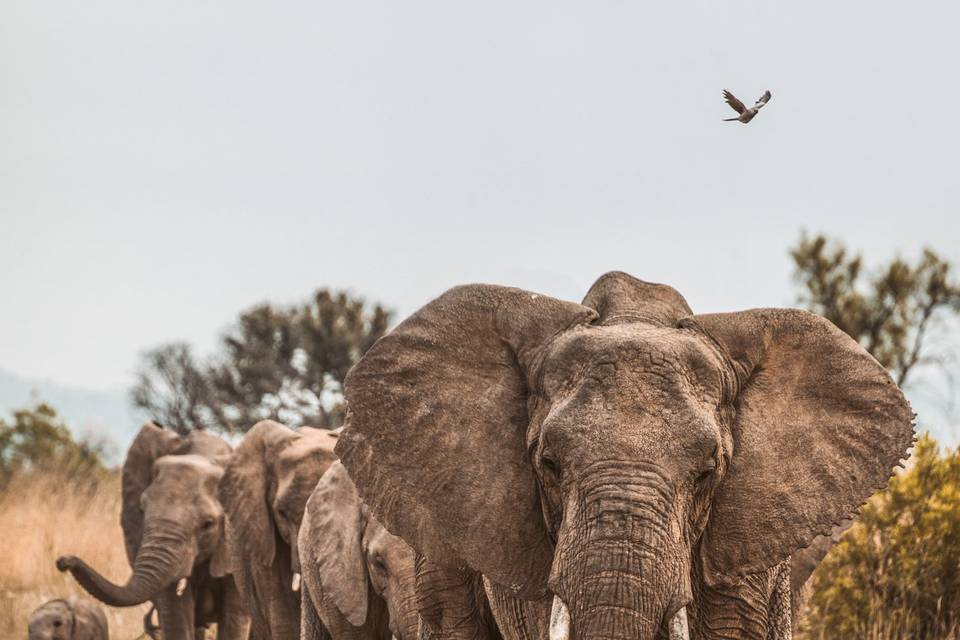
(408,622)
(620,567)
(162,558)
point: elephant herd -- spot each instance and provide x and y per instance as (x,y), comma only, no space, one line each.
(520,467)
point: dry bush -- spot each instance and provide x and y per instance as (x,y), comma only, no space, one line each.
(895,574)
(45,516)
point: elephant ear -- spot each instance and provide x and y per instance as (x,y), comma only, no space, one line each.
(436,430)
(89,622)
(333,538)
(245,491)
(618,297)
(151,443)
(819,426)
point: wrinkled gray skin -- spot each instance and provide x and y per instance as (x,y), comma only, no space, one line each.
(358,579)
(172,524)
(68,619)
(623,454)
(264,492)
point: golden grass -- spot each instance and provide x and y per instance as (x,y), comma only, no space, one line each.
(43,517)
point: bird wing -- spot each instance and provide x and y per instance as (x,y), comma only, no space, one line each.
(764,99)
(733,102)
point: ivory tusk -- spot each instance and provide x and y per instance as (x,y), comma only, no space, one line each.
(678,626)
(181,586)
(295,585)
(559,620)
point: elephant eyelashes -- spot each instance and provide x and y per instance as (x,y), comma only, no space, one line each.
(549,465)
(709,467)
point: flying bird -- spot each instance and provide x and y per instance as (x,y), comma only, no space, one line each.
(746,115)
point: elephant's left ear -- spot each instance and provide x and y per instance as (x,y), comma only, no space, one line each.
(819,426)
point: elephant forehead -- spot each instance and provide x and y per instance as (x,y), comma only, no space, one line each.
(48,614)
(190,464)
(312,450)
(643,393)
(634,356)
(377,540)
(183,474)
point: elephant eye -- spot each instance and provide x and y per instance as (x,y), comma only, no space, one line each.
(379,564)
(550,465)
(57,623)
(709,467)
(208,523)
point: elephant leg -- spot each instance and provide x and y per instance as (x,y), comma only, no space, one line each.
(232,620)
(311,627)
(518,619)
(150,629)
(753,607)
(453,603)
(780,617)
(176,614)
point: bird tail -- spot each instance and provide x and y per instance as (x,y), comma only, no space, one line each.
(730,119)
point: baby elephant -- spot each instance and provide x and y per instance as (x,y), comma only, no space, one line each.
(358,579)
(68,619)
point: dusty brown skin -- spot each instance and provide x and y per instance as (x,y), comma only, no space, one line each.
(68,619)
(623,453)
(172,524)
(264,491)
(358,579)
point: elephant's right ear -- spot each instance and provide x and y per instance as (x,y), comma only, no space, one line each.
(436,430)
(151,443)
(244,490)
(89,622)
(818,426)
(331,539)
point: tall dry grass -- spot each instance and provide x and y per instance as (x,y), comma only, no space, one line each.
(42,517)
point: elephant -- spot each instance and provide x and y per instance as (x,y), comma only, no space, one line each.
(173,530)
(358,578)
(264,491)
(70,618)
(622,467)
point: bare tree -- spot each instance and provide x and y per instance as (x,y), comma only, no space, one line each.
(283,363)
(889,312)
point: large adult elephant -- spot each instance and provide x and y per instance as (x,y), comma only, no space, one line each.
(623,458)
(172,524)
(358,578)
(264,491)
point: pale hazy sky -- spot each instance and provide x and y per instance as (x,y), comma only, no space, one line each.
(165,164)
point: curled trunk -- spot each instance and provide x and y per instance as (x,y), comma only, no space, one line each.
(159,562)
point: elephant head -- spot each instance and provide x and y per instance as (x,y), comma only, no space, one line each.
(356,572)
(68,619)
(611,452)
(171,517)
(264,492)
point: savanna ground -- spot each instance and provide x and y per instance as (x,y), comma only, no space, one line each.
(44,517)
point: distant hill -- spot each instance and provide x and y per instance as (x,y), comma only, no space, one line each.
(100,414)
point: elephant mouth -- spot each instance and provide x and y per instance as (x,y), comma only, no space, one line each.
(676,618)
